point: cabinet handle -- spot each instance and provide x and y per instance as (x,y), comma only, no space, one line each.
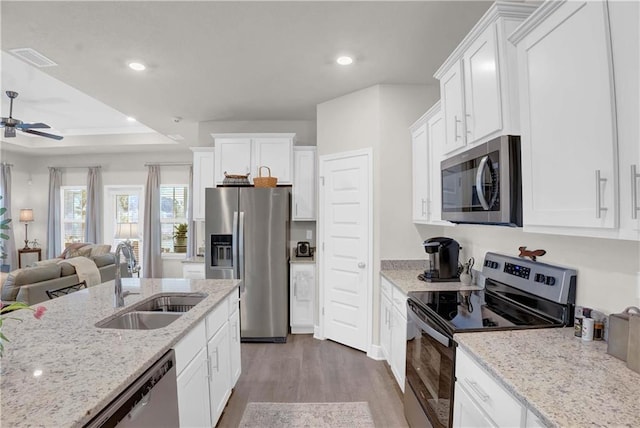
(634,192)
(387,319)
(455,126)
(216,367)
(468,121)
(477,389)
(296,209)
(599,207)
(423,206)
(208,375)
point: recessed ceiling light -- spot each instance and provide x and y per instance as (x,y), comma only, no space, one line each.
(131,119)
(137,66)
(344,60)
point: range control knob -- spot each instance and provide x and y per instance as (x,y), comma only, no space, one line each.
(550,280)
(539,278)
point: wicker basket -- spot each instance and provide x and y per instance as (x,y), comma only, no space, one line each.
(265,181)
(236,179)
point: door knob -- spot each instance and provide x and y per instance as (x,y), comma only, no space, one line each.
(361,265)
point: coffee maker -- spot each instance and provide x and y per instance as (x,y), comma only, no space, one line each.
(443,260)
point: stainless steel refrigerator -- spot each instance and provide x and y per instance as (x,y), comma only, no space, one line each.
(247,232)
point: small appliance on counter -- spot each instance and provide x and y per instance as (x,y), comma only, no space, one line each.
(303,249)
(443,260)
(624,337)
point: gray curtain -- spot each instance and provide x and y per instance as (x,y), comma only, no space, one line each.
(93,220)
(191,235)
(152,261)
(5,190)
(54,235)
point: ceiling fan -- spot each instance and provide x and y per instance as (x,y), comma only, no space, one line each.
(10,124)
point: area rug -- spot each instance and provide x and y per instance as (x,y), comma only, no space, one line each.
(311,415)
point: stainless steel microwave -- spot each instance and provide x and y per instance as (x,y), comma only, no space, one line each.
(483,185)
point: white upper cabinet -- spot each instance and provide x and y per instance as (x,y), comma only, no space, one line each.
(420,159)
(427,139)
(570,129)
(246,153)
(275,153)
(478,82)
(304,183)
(453,106)
(203,167)
(625,37)
(233,156)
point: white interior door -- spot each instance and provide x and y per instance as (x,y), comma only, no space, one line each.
(345,261)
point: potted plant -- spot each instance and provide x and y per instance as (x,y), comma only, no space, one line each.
(4,225)
(180,238)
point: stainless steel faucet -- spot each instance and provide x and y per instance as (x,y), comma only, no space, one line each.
(132,267)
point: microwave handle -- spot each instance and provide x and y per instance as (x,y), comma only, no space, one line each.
(427,328)
(479,186)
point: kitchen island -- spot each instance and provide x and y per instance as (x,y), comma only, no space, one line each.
(562,380)
(60,371)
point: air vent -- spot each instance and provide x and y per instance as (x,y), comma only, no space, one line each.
(33,57)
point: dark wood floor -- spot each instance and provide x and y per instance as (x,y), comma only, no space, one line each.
(308,370)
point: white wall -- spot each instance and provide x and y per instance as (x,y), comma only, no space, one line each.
(379,117)
(30,182)
(608,269)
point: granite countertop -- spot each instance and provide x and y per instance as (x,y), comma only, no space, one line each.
(563,380)
(407,280)
(62,370)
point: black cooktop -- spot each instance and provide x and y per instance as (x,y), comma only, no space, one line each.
(476,311)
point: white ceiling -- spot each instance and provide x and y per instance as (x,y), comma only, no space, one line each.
(208,60)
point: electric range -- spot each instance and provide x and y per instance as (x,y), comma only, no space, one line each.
(518,294)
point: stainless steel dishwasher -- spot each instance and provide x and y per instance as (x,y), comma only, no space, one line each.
(151,401)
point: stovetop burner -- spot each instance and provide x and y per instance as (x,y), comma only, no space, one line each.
(518,294)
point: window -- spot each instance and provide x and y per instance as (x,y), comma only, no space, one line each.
(74,211)
(126,217)
(173,216)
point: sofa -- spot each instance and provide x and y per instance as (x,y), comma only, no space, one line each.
(30,284)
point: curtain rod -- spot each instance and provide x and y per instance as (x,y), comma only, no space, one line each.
(169,164)
(67,167)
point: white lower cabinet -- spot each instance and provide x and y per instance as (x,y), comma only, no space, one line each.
(219,371)
(386,311)
(393,328)
(193,398)
(480,401)
(193,270)
(234,331)
(466,413)
(208,365)
(302,297)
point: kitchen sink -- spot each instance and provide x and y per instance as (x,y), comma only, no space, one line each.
(138,320)
(156,312)
(170,302)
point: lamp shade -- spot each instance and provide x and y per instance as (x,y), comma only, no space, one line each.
(26,215)
(127,231)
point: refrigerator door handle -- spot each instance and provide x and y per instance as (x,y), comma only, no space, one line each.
(241,248)
(234,245)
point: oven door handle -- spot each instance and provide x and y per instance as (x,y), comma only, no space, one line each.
(428,329)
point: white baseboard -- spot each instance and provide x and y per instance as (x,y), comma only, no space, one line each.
(302,330)
(316,333)
(375,353)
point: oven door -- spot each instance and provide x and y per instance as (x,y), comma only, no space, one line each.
(430,372)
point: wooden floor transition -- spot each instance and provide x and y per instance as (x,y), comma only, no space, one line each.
(306,370)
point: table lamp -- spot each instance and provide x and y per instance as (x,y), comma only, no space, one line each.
(26,217)
(127,231)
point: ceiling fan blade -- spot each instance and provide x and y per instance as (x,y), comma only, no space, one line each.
(32,125)
(42,134)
